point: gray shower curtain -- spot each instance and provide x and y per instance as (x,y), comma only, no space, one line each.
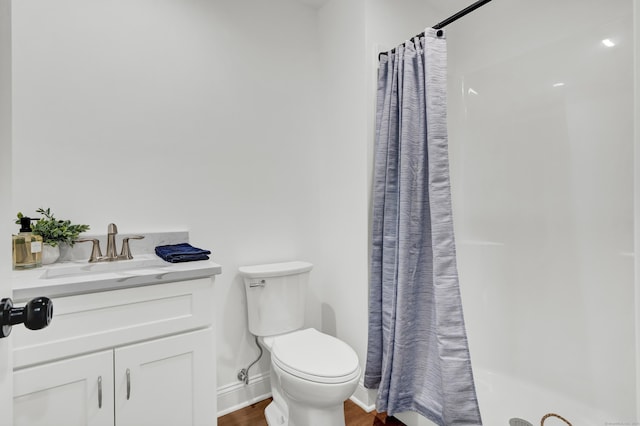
(418,355)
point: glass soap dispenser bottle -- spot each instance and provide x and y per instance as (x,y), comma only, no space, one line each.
(27,247)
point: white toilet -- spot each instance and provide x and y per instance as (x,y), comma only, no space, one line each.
(312,373)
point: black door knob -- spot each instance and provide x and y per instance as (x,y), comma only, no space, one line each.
(36,314)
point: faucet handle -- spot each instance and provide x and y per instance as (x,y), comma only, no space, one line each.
(96,253)
(125,253)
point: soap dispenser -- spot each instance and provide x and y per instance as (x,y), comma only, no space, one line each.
(27,247)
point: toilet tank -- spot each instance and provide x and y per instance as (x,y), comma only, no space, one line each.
(276,296)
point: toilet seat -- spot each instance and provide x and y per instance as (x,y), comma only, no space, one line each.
(315,356)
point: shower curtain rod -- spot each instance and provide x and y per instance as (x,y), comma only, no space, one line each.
(447,21)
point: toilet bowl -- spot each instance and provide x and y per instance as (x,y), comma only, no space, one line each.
(314,374)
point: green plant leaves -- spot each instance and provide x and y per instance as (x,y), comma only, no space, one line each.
(54,231)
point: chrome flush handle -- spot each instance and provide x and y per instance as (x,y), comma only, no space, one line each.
(257,283)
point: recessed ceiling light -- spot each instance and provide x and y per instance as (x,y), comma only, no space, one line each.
(558,84)
(607,42)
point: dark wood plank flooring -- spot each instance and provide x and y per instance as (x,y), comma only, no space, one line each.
(253,415)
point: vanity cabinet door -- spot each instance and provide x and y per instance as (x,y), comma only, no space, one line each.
(76,391)
(166,382)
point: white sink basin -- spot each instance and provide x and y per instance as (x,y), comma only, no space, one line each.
(79,268)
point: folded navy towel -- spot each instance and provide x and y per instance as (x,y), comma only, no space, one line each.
(186,258)
(184,252)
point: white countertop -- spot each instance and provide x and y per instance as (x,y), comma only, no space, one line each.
(80,277)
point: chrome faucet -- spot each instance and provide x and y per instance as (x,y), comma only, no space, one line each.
(112,253)
(112,231)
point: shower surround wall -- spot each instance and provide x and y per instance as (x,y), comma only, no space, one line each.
(542,167)
(541,143)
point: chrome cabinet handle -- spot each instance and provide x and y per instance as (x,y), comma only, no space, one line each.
(100,392)
(128,384)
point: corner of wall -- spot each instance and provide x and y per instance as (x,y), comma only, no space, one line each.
(364,398)
(5,100)
(6,132)
(6,372)
(636,30)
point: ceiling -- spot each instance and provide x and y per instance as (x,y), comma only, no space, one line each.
(445,6)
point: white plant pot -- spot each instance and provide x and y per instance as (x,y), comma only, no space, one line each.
(66,253)
(50,254)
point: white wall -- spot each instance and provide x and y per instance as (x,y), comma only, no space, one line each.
(162,114)
(243,122)
(338,197)
(636,28)
(6,228)
(543,195)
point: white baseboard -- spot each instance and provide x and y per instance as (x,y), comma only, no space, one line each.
(413,419)
(364,398)
(235,396)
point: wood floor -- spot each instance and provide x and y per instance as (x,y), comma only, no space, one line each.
(253,415)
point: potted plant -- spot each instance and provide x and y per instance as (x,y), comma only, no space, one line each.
(54,232)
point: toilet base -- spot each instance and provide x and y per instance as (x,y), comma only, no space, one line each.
(309,416)
(274,416)
(304,416)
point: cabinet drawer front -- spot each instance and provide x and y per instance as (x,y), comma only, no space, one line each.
(85,323)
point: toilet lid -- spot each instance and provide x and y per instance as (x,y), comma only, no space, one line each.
(315,356)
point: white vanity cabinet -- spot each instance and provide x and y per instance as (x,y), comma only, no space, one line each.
(132,356)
